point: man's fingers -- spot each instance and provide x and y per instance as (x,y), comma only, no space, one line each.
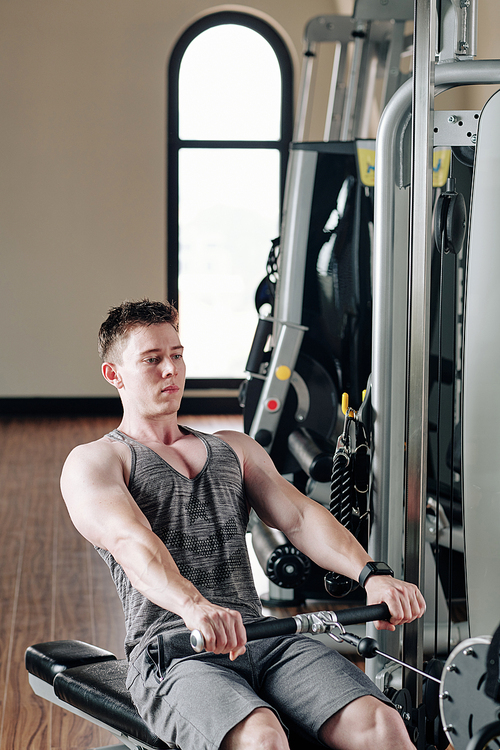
(404,600)
(235,632)
(224,632)
(384,625)
(238,652)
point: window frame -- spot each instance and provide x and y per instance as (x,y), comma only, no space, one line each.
(175,143)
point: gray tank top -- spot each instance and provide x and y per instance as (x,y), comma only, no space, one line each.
(202,522)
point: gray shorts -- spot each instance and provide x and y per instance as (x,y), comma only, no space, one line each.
(193,700)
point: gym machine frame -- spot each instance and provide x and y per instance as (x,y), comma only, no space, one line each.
(398,401)
(400,331)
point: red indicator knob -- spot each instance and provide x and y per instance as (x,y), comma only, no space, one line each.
(273,404)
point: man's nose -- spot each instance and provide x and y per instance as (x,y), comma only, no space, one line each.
(168,367)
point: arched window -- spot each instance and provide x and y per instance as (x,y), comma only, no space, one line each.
(229,129)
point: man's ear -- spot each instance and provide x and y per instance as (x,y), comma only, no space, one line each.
(111,374)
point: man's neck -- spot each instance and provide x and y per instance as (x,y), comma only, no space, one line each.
(163,429)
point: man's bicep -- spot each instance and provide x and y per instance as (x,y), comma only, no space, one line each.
(277,502)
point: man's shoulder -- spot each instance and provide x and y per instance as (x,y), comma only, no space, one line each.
(100,463)
(102,450)
(233,437)
(247,449)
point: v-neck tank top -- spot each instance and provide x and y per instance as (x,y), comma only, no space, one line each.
(202,521)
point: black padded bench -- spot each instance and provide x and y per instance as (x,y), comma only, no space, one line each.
(90,682)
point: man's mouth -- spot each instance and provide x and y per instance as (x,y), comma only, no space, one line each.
(170,389)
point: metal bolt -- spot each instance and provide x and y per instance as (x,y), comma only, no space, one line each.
(469,652)
(452,668)
(452,118)
(446,696)
(473,138)
(449,728)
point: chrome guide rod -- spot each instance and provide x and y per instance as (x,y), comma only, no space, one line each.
(418,318)
(335,81)
(408,666)
(294,234)
(305,87)
(346,132)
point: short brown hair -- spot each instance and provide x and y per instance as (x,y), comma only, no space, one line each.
(124,317)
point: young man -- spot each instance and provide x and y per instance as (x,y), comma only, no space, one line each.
(167,508)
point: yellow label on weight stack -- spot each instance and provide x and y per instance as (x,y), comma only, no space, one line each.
(440,166)
(366,165)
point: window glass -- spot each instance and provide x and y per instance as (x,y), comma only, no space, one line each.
(228,215)
(229,126)
(229,86)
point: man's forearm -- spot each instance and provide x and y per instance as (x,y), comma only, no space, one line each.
(153,572)
(322,538)
(329,544)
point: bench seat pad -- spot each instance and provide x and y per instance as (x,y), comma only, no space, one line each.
(99,690)
(92,680)
(46,660)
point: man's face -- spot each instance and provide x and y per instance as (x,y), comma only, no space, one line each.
(152,373)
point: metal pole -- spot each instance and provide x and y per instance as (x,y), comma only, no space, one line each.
(346,132)
(418,318)
(305,91)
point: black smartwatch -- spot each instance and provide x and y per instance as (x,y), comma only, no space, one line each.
(374,569)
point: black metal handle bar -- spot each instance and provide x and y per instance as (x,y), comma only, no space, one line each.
(313,622)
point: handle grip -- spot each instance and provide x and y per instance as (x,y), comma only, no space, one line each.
(302,623)
(363,614)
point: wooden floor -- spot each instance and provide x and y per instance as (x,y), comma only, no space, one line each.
(53,585)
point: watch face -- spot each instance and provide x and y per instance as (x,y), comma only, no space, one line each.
(380,567)
(376,569)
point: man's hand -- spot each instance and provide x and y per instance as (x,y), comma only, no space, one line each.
(404,600)
(222,629)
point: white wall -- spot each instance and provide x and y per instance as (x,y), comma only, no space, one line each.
(82,202)
(83,172)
